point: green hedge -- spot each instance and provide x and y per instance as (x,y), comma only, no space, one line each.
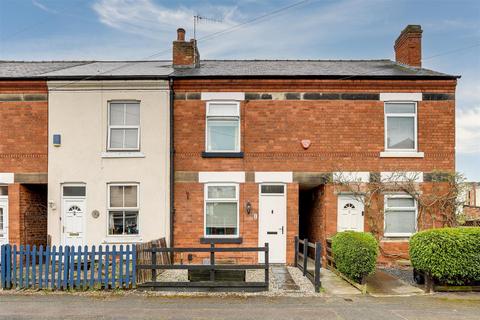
(449,255)
(355,254)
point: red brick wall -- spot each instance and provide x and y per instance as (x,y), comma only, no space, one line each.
(345,135)
(33,207)
(189,220)
(15,218)
(24,149)
(27,214)
(24,128)
(323,222)
(471,212)
(408,46)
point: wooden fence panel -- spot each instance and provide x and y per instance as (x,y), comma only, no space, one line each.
(66,268)
(144,256)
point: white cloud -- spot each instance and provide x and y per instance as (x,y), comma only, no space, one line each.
(468,130)
(43,7)
(281,35)
(147,19)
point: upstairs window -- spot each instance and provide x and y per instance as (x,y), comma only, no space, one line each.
(401,126)
(124,126)
(400,216)
(223,127)
(221,210)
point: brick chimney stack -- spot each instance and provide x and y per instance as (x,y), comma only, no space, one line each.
(185,53)
(408,46)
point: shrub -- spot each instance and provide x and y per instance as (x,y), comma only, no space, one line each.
(355,254)
(449,255)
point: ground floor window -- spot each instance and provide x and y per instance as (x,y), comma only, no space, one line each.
(221,210)
(123,208)
(400,216)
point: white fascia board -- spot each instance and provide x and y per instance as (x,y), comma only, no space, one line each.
(237,96)
(223,176)
(400,96)
(416,176)
(360,176)
(266,177)
(6,177)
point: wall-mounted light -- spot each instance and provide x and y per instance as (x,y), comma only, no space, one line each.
(248,207)
(57,140)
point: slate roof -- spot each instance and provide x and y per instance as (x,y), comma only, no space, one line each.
(117,69)
(32,69)
(309,68)
(214,68)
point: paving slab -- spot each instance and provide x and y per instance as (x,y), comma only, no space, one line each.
(282,278)
(382,284)
(335,285)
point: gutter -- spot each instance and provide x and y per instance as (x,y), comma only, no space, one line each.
(172,171)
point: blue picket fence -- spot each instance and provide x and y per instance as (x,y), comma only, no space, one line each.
(65,267)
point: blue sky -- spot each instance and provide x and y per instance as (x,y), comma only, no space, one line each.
(316,29)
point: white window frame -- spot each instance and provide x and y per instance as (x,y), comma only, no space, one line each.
(80,184)
(207,200)
(110,127)
(4,200)
(109,208)
(402,115)
(386,208)
(237,117)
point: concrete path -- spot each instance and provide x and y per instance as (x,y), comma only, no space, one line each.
(282,278)
(335,285)
(135,306)
(384,284)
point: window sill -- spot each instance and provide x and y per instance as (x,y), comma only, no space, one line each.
(122,154)
(396,238)
(404,154)
(205,240)
(122,239)
(206,154)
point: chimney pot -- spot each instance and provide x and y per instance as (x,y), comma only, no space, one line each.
(180,34)
(408,46)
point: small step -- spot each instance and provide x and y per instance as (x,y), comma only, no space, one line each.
(403,263)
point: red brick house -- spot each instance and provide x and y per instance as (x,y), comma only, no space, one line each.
(23,151)
(471,207)
(258,146)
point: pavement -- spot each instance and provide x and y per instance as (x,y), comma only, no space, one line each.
(382,284)
(134,305)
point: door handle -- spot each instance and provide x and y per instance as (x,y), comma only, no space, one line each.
(282,229)
(363,213)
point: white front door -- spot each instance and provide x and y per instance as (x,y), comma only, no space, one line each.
(350,213)
(3,220)
(272,222)
(73,224)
